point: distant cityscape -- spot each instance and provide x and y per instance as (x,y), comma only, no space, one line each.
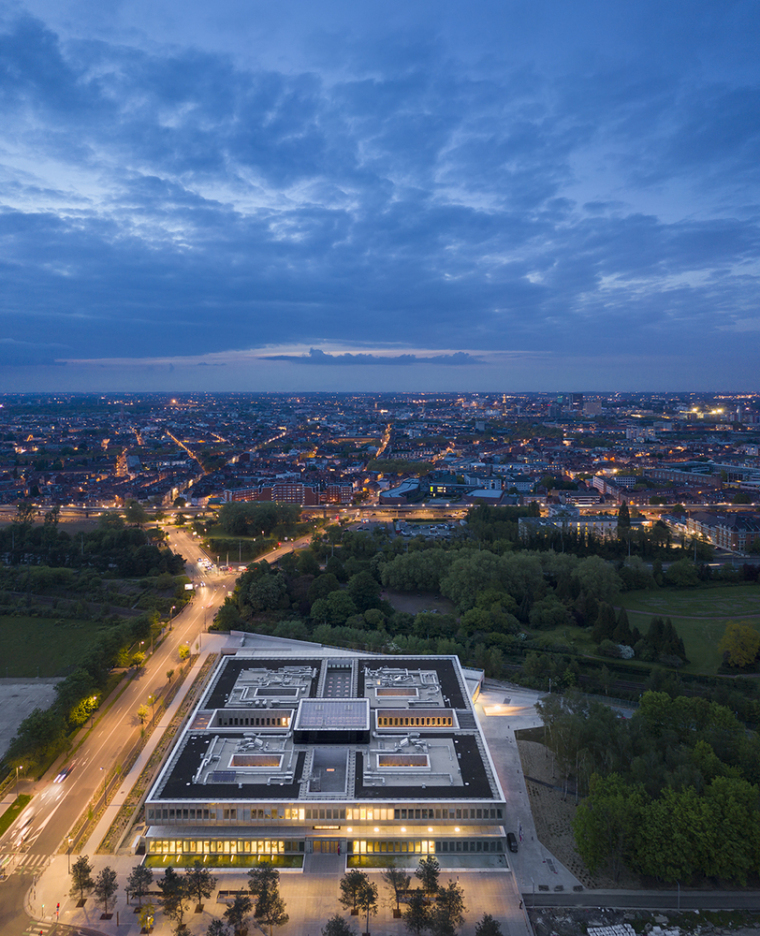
(577,456)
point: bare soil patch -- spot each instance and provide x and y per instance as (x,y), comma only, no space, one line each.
(553,815)
(414,604)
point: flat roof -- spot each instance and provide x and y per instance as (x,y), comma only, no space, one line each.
(334,714)
(241,743)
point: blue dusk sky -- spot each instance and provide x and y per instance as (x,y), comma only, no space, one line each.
(250,195)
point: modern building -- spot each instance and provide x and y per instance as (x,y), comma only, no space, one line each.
(311,750)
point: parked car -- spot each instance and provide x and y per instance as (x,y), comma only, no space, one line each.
(512,841)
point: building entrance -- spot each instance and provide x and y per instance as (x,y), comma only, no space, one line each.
(327,846)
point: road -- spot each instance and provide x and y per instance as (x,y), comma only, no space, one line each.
(99,747)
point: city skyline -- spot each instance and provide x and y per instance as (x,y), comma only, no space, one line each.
(512,197)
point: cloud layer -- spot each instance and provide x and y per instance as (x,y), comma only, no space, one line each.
(408,186)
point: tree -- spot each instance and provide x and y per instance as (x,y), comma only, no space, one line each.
(264,884)
(81,877)
(604,825)
(337,926)
(364,590)
(174,897)
(487,926)
(605,624)
(142,713)
(25,512)
(416,913)
(367,901)
(351,885)
(200,883)
(105,887)
(146,916)
(624,517)
(740,644)
(135,513)
(237,914)
(138,882)
(427,872)
(447,914)
(217,927)
(398,881)
(184,651)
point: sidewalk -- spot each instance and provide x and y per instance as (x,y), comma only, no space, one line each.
(533,865)
(212,644)
(53,884)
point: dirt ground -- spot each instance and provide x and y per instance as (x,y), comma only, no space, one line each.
(414,604)
(553,815)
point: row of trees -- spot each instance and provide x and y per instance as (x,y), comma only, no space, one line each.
(178,890)
(430,908)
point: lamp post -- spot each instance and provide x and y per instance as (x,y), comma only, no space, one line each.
(68,855)
(105,785)
(18,767)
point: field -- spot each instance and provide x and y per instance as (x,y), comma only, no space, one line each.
(700,616)
(415,603)
(36,646)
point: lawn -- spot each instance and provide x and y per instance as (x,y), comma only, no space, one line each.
(727,601)
(12,812)
(700,616)
(223,861)
(37,646)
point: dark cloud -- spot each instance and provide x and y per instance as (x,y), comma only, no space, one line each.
(176,201)
(317,356)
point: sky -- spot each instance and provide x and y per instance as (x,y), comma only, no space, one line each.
(300,196)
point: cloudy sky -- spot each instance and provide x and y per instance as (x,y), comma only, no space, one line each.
(379,195)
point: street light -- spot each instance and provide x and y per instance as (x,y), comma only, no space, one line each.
(18,767)
(68,855)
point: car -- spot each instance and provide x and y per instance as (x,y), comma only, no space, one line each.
(512,841)
(23,832)
(64,773)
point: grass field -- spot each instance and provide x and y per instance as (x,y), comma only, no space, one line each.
(725,601)
(700,616)
(223,861)
(36,646)
(12,812)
